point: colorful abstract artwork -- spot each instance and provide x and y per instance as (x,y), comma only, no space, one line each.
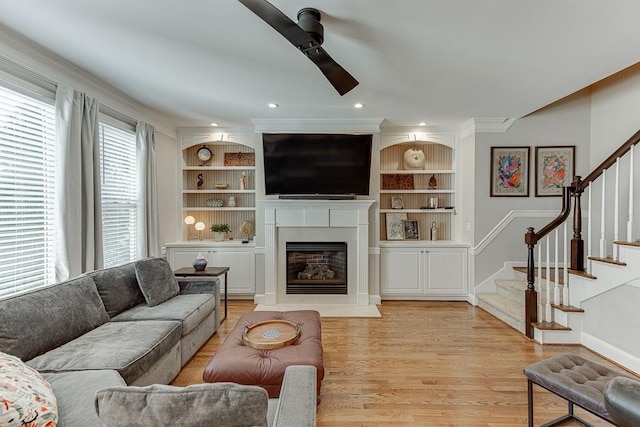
(509,171)
(554,169)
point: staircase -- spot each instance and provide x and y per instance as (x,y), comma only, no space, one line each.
(565,325)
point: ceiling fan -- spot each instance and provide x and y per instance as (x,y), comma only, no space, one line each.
(307,35)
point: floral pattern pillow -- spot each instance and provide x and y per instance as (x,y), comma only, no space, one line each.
(26,399)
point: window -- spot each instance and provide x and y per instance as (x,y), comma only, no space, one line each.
(27,199)
(119,194)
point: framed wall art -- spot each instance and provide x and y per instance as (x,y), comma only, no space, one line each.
(411,230)
(509,172)
(555,166)
(395,229)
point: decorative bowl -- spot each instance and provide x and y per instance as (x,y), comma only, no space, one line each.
(220,185)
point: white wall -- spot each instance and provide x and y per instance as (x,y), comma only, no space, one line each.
(566,122)
(614,113)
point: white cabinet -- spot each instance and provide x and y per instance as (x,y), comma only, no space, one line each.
(423,272)
(239,259)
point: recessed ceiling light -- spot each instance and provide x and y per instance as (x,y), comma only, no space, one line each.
(272,105)
(358,105)
(214,124)
(422,124)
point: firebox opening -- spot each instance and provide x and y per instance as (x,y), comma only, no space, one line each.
(317,268)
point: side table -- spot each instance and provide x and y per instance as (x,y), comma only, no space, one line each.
(208,272)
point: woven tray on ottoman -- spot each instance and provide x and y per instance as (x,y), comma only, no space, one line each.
(239,363)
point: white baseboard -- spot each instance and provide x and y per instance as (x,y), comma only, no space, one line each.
(621,357)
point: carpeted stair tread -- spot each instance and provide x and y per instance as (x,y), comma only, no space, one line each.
(502,307)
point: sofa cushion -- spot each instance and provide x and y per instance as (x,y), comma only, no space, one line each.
(156,280)
(118,288)
(191,310)
(131,348)
(36,322)
(224,404)
(26,398)
(75,392)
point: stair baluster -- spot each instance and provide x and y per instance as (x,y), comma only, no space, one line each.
(603,212)
(630,219)
(616,211)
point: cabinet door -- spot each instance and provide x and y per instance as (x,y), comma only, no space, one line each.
(446,272)
(242,270)
(400,271)
(179,257)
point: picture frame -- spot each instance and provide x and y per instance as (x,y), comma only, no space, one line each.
(555,168)
(411,229)
(395,228)
(509,172)
(397,202)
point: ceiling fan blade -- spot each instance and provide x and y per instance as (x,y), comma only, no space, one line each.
(339,78)
(280,22)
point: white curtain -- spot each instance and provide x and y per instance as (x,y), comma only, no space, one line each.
(148,233)
(79,220)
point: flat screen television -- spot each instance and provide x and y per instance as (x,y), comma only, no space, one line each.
(317,164)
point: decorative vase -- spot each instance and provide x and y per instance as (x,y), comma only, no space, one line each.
(433,182)
(219,236)
(231,202)
(200,262)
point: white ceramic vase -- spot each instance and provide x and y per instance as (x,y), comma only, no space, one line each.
(219,236)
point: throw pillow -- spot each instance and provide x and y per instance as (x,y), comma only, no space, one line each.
(224,404)
(156,280)
(26,399)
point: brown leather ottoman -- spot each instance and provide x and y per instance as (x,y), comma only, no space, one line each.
(239,363)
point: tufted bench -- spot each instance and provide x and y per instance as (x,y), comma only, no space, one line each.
(575,379)
(238,363)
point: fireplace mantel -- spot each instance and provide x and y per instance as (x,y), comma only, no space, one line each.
(352,215)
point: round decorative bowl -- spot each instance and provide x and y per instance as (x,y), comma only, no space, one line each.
(220,185)
(215,203)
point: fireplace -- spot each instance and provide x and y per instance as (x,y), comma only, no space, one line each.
(316,268)
(317,221)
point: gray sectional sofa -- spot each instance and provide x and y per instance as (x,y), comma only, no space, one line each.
(111,336)
(98,330)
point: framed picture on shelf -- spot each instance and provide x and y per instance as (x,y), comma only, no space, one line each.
(555,166)
(411,230)
(397,202)
(395,229)
(509,173)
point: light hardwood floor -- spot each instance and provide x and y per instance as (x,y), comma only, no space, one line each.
(421,364)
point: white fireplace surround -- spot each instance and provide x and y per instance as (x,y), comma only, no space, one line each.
(317,220)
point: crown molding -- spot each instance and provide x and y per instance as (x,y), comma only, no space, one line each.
(486,124)
(317,125)
(36,59)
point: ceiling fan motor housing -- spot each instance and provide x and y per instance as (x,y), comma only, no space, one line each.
(309,20)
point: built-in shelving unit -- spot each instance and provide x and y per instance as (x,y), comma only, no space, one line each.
(427,195)
(203,201)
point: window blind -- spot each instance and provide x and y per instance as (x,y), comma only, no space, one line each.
(27,192)
(119,194)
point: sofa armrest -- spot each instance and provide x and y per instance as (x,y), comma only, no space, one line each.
(202,285)
(297,404)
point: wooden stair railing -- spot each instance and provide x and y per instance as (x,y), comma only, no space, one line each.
(531,237)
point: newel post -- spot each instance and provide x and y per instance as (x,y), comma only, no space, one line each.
(530,295)
(577,244)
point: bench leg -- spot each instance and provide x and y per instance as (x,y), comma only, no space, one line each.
(530,401)
(560,420)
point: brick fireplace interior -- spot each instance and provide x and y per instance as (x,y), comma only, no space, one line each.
(316,268)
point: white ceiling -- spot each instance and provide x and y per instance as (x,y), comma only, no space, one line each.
(439,61)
